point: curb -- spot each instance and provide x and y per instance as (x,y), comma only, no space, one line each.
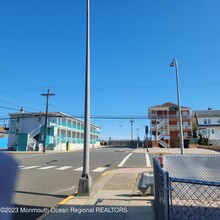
(64,201)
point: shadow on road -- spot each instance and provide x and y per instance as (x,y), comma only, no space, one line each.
(41,194)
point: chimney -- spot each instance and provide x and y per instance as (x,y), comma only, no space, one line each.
(22,110)
(209,109)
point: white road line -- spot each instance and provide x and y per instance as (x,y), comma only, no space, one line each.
(27,168)
(124,160)
(148,163)
(21,166)
(63,190)
(17,157)
(99,169)
(79,169)
(64,168)
(46,168)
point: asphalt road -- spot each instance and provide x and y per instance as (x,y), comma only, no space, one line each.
(44,180)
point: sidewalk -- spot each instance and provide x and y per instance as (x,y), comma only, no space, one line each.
(157,151)
(115,196)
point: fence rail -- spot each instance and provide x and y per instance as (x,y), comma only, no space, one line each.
(188,197)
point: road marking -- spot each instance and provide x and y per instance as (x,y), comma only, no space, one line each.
(17,157)
(79,169)
(46,168)
(99,169)
(27,168)
(67,199)
(64,168)
(124,160)
(105,173)
(64,190)
(148,163)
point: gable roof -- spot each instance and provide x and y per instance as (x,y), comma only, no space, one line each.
(168,105)
(2,130)
(207,113)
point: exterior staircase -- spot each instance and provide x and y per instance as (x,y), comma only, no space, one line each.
(32,143)
(162,131)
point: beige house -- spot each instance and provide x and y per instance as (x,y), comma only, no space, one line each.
(164,125)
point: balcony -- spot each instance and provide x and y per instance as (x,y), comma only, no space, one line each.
(176,127)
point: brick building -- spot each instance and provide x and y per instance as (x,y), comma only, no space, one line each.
(164,125)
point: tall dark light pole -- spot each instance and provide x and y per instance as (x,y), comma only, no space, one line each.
(174,63)
(132,121)
(85,182)
(45,124)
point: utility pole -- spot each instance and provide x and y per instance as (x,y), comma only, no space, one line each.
(45,125)
(132,121)
(85,182)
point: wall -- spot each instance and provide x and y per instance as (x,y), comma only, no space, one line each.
(3,142)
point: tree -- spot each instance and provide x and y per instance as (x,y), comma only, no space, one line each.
(203,140)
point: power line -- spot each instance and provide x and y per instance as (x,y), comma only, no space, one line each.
(114,116)
(14,109)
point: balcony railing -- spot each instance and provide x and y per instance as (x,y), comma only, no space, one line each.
(170,117)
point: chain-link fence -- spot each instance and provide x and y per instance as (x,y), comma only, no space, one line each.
(161,194)
(193,187)
(196,200)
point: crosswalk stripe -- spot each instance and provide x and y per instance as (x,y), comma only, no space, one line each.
(99,169)
(124,160)
(79,169)
(64,168)
(148,163)
(27,168)
(46,168)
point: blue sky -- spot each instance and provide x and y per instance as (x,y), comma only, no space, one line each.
(42,45)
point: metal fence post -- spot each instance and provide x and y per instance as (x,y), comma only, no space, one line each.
(166,195)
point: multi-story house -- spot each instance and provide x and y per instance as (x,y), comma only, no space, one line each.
(207,123)
(164,125)
(26,131)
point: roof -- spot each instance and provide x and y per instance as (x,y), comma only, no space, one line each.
(38,114)
(2,130)
(207,113)
(168,105)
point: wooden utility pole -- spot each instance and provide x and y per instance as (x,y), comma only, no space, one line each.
(45,125)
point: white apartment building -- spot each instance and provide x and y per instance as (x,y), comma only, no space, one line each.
(26,131)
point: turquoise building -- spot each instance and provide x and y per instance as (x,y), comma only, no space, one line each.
(26,132)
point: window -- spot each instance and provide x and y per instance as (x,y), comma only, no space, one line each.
(153,112)
(185,134)
(203,132)
(209,121)
(185,114)
(205,121)
(39,119)
(185,124)
(213,131)
(18,119)
(218,121)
